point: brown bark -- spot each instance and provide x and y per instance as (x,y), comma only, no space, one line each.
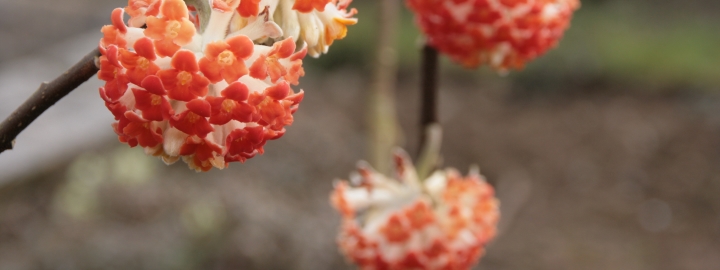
(47,95)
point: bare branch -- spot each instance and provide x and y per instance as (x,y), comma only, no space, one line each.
(47,95)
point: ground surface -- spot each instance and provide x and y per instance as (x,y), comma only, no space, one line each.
(616,181)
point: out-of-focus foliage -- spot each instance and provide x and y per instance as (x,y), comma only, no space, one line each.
(623,40)
(636,42)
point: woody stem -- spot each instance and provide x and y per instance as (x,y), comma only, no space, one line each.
(47,95)
(429,92)
(430,130)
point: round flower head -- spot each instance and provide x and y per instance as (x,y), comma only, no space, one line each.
(502,33)
(209,97)
(443,222)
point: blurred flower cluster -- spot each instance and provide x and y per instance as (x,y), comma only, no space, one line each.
(501,33)
(442,222)
(211,83)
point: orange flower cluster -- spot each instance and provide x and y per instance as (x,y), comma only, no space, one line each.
(209,98)
(443,222)
(501,33)
(316,22)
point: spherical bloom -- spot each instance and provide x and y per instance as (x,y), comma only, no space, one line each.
(209,97)
(502,33)
(442,222)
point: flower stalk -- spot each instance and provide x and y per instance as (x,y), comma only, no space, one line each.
(429,91)
(383,116)
(430,129)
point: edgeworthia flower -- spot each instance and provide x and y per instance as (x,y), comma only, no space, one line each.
(316,22)
(442,222)
(211,83)
(501,33)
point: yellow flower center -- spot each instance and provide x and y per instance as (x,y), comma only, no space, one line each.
(192,117)
(184,77)
(172,28)
(228,105)
(264,103)
(226,58)
(155,100)
(143,63)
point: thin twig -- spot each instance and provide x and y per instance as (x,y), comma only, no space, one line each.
(429,92)
(44,97)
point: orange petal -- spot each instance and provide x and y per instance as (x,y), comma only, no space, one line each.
(200,107)
(185,60)
(285,48)
(241,46)
(215,48)
(199,85)
(306,6)
(236,91)
(174,10)
(117,20)
(234,72)
(211,70)
(144,47)
(249,8)
(278,91)
(186,32)
(258,69)
(155,27)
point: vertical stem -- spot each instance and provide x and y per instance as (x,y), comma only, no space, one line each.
(429,95)
(383,116)
(430,130)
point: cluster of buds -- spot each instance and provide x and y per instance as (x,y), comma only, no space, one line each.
(442,222)
(501,33)
(212,83)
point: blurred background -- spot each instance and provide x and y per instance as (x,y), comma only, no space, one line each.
(605,152)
